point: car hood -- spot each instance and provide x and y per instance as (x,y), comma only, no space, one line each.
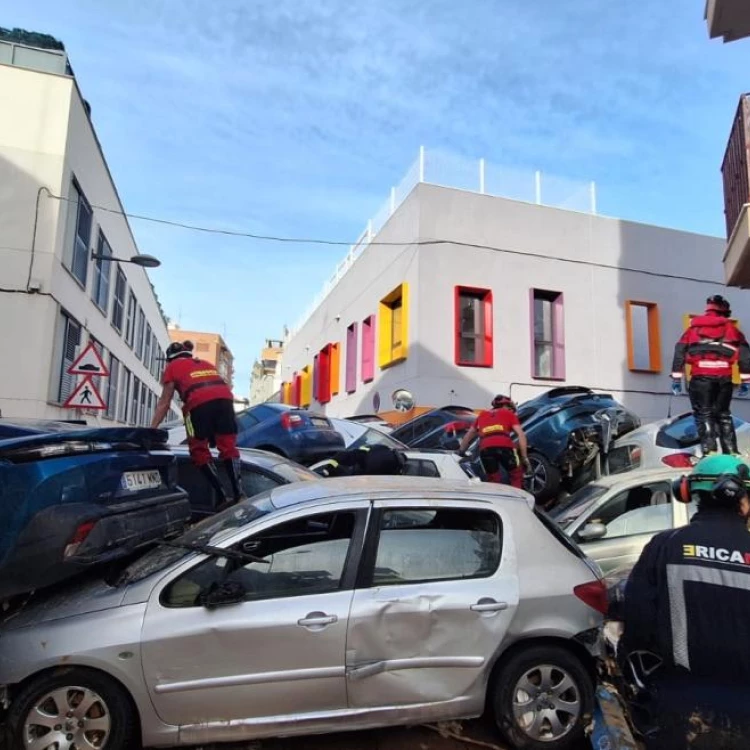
(140,437)
(66,600)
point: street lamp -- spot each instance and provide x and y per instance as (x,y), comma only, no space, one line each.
(145,261)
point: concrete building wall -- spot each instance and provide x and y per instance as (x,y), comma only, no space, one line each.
(47,140)
(597,263)
(210,347)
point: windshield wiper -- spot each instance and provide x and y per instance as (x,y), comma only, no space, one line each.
(209,549)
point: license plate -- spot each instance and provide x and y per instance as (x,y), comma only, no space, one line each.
(135,481)
(317,422)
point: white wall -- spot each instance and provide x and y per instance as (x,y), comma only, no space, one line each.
(46,137)
(580,255)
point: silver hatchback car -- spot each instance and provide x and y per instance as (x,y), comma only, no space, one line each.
(316,607)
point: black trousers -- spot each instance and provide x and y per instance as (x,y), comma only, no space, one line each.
(711,400)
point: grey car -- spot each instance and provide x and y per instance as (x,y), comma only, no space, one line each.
(613,518)
(318,606)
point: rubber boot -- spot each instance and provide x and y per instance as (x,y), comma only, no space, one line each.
(212,476)
(727,435)
(233,468)
(706,431)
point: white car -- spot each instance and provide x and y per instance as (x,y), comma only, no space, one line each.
(666,443)
(443,464)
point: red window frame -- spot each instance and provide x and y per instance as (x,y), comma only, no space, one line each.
(323,395)
(487,358)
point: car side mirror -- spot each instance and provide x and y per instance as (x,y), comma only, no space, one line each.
(592,531)
(222,595)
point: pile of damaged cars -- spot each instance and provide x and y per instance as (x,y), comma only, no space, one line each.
(130,622)
(134,614)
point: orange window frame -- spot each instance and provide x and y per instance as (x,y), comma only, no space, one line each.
(654,336)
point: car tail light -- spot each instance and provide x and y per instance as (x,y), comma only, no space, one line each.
(81,533)
(292,421)
(593,594)
(680,460)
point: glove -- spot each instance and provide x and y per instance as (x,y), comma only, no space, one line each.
(744,389)
(676,386)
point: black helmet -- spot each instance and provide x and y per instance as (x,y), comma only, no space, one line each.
(179,349)
(502,402)
(719,305)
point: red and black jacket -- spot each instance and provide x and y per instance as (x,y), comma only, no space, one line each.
(711,345)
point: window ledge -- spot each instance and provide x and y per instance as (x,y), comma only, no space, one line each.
(475,364)
(645,370)
(554,378)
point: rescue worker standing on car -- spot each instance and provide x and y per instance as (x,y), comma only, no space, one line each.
(208,406)
(497,450)
(687,601)
(712,345)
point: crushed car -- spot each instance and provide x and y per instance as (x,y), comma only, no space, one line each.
(70,500)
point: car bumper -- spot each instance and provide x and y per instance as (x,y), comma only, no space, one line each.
(38,558)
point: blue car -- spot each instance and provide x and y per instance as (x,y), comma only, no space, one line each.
(298,434)
(77,498)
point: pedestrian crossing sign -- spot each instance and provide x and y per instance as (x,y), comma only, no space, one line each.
(85,396)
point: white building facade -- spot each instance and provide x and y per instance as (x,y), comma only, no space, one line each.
(462,295)
(54,298)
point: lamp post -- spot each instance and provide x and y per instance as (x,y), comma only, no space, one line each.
(145,261)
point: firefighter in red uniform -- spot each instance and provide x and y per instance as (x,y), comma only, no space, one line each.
(712,345)
(496,447)
(208,406)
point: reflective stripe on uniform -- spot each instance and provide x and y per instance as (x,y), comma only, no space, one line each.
(713,364)
(189,427)
(677,575)
(491,428)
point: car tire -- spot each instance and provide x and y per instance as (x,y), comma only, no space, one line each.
(570,698)
(543,481)
(110,711)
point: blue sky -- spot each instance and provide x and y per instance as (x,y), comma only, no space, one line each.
(294,118)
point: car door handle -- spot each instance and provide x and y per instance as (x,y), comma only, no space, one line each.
(489,605)
(317,620)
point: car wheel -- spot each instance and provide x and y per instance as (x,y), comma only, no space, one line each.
(73,708)
(543,477)
(541,699)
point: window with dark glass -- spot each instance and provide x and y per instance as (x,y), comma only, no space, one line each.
(78,237)
(548,335)
(102,272)
(474,345)
(118,303)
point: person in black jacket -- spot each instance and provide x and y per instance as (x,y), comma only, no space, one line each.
(688,601)
(365,460)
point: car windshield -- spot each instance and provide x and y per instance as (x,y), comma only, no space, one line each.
(162,556)
(572,508)
(372,437)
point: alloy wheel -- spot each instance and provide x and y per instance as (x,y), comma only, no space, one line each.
(537,476)
(67,718)
(546,703)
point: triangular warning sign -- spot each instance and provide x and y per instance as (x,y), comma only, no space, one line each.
(85,396)
(89,362)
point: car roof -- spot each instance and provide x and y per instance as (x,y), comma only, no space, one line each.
(409,488)
(636,477)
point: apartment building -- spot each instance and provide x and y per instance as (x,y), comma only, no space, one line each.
(69,264)
(265,379)
(210,347)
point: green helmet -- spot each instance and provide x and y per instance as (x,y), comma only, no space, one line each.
(708,470)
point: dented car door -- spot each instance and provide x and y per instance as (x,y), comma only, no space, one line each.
(275,650)
(435,597)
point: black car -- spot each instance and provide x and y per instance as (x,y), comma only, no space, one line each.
(261,471)
(71,500)
(298,434)
(437,428)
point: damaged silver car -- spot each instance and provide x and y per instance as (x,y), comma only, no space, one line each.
(315,607)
